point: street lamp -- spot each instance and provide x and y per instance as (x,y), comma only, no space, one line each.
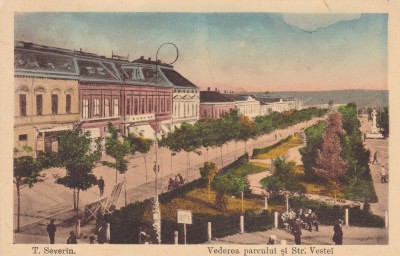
(156,168)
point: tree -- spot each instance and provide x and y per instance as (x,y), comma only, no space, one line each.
(27,172)
(183,138)
(283,180)
(329,163)
(140,144)
(118,148)
(384,121)
(247,130)
(74,152)
(208,172)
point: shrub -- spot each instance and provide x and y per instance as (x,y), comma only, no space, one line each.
(264,150)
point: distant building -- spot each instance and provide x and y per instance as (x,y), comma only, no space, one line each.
(269,105)
(246,104)
(213,104)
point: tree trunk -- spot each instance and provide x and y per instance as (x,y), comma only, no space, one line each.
(188,167)
(145,166)
(222,161)
(116,176)
(74,198)
(77,212)
(234,152)
(19,206)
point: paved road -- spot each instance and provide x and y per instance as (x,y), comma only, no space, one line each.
(381,189)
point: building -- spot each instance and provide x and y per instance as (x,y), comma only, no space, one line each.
(269,105)
(246,104)
(46,96)
(213,104)
(58,89)
(185,97)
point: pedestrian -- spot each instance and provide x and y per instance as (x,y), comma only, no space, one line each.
(297,231)
(365,136)
(72,238)
(102,234)
(181,180)
(51,230)
(383,174)
(338,232)
(375,158)
(142,236)
(101,185)
(312,219)
(272,239)
(91,239)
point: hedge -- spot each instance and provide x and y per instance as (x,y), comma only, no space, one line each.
(258,151)
(328,214)
(241,160)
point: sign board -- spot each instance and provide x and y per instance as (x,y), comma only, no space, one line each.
(184,217)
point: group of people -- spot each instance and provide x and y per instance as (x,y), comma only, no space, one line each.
(72,239)
(296,221)
(51,230)
(174,183)
(383,170)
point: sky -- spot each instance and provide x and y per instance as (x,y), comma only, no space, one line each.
(232,51)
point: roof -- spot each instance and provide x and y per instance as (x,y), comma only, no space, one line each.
(213,96)
(177,79)
(44,61)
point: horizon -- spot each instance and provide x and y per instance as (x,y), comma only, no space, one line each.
(232,51)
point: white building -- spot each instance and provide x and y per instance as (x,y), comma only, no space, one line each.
(247,105)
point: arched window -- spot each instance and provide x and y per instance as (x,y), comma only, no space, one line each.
(22,93)
(54,101)
(39,91)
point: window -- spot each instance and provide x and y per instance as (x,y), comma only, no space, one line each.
(136,106)
(23,137)
(68,103)
(22,104)
(156,105)
(168,106)
(128,106)
(85,110)
(39,104)
(162,105)
(143,106)
(54,104)
(179,109)
(205,113)
(116,107)
(96,107)
(106,107)
(192,110)
(150,106)
(196,110)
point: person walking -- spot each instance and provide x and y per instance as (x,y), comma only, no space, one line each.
(51,230)
(297,231)
(72,238)
(375,158)
(312,220)
(101,185)
(383,174)
(338,233)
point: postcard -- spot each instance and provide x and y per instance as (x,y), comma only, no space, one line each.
(208,128)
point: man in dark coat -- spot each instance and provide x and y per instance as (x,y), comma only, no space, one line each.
(101,185)
(297,231)
(72,238)
(338,232)
(51,230)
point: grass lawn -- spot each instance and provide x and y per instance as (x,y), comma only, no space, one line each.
(281,150)
(198,201)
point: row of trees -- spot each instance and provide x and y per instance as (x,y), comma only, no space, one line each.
(76,154)
(232,126)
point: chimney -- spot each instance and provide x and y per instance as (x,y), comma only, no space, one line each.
(149,58)
(216,89)
(208,88)
(142,57)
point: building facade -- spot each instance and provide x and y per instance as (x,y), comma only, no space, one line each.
(45,97)
(214,104)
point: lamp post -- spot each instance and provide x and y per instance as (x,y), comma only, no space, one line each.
(156,168)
